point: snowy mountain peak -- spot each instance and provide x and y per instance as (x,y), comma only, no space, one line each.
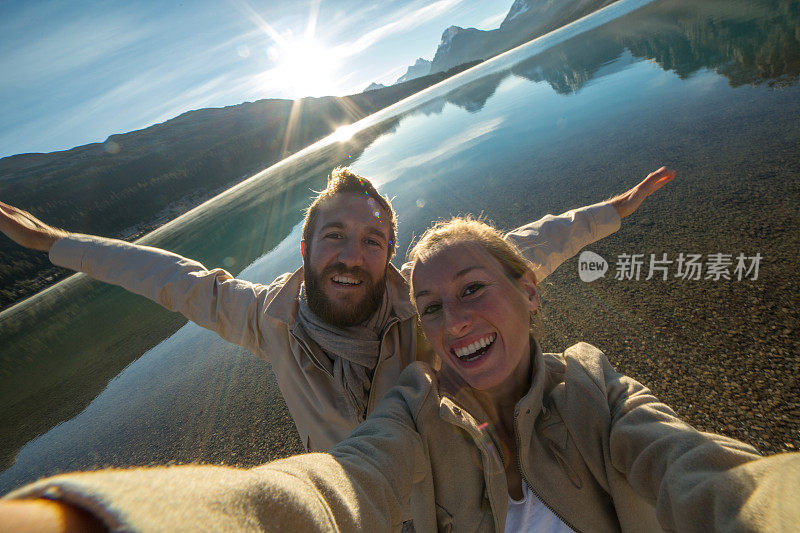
(422,67)
(374,87)
(519,7)
(449,33)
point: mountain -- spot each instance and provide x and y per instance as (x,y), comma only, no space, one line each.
(374,87)
(422,67)
(526,20)
(518,8)
(462,44)
(136,181)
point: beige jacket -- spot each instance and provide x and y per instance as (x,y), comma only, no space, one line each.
(263,318)
(596,446)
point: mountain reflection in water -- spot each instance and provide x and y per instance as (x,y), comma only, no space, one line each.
(708,88)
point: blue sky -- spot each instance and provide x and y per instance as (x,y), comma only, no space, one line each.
(75,72)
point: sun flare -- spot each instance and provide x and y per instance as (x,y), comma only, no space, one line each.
(306,67)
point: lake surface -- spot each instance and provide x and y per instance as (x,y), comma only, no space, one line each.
(92,376)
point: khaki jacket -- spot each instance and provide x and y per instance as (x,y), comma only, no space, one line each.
(594,445)
(263,318)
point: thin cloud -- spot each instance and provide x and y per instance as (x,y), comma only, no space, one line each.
(73,47)
(403,22)
(139,102)
(81,73)
(313,13)
(136,98)
(204,95)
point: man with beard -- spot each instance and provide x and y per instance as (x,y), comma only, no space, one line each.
(339,330)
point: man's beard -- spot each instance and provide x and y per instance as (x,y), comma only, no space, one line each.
(342,315)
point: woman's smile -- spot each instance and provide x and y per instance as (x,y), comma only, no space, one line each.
(473,349)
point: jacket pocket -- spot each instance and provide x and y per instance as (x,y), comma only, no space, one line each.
(408,527)
(553,427)
(564,464)
(556,435)
(444,520)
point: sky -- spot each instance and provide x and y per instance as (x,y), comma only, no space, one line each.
(74,72)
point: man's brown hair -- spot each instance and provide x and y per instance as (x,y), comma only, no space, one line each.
(344,180)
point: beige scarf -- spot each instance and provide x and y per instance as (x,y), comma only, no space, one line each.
(354,350)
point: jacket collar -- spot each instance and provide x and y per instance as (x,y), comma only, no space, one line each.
(540,379)
(283,306)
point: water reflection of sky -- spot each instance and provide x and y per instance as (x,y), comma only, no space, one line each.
(523,116)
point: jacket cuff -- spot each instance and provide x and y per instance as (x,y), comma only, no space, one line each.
(68,252)
(606,219)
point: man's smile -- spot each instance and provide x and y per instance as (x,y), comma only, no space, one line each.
(345,281)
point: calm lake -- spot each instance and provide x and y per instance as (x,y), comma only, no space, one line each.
(92,376)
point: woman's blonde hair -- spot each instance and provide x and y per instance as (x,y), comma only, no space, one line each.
(458,230)
(467,229)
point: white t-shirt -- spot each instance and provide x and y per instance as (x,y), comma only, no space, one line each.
(530,515)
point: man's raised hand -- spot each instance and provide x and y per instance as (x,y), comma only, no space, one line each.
(628,202)
(27,230)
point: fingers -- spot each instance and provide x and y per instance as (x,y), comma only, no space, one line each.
(15,215)
(662,173)
(11,211)
(656,180)
(5,213)
(8,209)
(27,230)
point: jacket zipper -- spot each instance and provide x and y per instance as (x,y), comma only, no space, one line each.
(525,479)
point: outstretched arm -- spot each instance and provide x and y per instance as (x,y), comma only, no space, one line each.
(212,299)
(363,483)
(551,240)
(697,481)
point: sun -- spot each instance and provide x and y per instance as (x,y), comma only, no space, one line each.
(306,67)
(300,66)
